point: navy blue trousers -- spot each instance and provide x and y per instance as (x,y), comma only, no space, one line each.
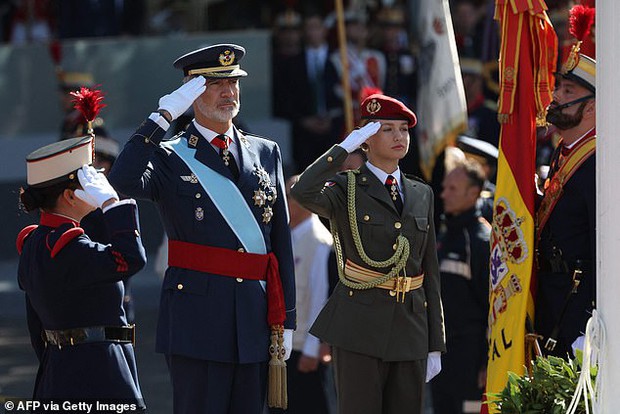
(208,387)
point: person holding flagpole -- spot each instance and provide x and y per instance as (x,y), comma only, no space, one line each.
(228,295)
(384,319)
(566,217)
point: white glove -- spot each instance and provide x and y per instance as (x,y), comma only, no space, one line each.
(578,344)
(177,102)
(288,343)
(433,365)
(358,136)
(96,189)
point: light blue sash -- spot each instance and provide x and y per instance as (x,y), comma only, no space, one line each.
(226,197)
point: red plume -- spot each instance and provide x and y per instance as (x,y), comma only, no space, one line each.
(88,102)
(580,21)
(367,91)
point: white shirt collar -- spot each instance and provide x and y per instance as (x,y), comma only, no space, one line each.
(209,135)
(580,138)
(382,175)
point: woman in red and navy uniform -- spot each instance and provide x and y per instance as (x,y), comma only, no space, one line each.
(73,285)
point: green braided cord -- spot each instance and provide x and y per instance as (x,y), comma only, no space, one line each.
(399,258)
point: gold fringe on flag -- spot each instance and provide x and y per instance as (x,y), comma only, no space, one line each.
(277,390)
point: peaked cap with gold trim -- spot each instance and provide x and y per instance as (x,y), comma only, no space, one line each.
(581,69)
(217,61)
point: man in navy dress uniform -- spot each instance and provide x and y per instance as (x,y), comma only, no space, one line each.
(229,287)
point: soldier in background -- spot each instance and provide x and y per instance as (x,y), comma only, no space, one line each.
(73,122)
(481,112)
(463,255)
(486,155)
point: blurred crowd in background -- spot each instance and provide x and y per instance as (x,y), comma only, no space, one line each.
(384,51)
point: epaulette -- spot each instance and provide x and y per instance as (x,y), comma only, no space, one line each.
(252,134)
(21,237)
(177,136)
(60,237)
(345,172)
(415,177)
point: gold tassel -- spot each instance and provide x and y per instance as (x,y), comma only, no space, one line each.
(277,396)
(541,119)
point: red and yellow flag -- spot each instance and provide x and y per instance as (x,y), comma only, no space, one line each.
(527,61)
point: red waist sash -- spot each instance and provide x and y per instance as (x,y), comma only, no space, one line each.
(232,263)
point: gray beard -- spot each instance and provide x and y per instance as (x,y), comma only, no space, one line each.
(219,115)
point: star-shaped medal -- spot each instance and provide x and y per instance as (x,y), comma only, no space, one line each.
(267,215)
(259,198)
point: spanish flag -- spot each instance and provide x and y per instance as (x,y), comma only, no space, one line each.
(528,55)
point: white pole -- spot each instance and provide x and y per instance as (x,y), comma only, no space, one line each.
(608,196)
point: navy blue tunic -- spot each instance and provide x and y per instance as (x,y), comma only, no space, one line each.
(71,281)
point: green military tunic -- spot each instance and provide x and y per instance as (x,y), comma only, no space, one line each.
(372,322)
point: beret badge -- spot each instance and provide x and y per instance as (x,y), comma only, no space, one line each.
(373,107)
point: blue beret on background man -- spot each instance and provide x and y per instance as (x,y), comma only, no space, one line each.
(74,294)
(227,306)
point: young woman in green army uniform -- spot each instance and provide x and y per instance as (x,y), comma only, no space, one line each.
(384,319)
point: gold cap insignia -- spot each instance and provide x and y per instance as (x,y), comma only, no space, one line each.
(572,60)
(373,106)
(227,58)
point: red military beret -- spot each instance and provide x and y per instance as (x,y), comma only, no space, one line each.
(379,106)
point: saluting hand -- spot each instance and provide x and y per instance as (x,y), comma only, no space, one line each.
(96,189)
(358,136)
(177,102)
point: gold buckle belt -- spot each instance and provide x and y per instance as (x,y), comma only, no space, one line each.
(397,286)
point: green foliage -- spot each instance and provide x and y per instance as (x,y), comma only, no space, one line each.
(548,390)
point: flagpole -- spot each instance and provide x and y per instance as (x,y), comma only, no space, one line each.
(608,199)
(344,64)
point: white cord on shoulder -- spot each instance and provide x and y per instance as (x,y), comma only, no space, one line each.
(592,357)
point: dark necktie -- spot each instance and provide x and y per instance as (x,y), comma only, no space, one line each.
(392,186)
(223,143)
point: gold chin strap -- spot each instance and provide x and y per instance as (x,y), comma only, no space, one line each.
(398,259)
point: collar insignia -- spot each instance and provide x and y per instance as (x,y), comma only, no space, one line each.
(192,141)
